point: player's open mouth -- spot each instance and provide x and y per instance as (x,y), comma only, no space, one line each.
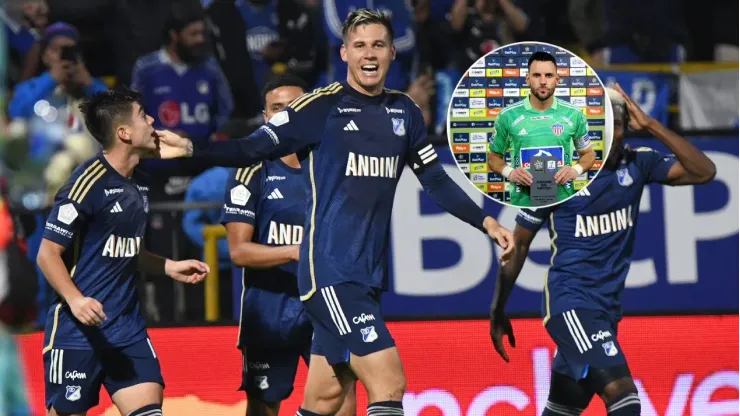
(369,70)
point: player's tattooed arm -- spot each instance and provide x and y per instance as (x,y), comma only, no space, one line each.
(505,278)
(693,167)
(186,271)
(49,259)
(245,253)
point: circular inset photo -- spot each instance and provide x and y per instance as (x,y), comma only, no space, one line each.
(529,124)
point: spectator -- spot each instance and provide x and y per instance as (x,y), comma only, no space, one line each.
(483,25)
(209,187)
(66,78)
(632,36)
(227,28)
(279,36)
(183,87)
(22,20)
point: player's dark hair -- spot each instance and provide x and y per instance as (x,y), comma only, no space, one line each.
(286,79)
(182,13)
(361,17)
(104,110)
(542,57)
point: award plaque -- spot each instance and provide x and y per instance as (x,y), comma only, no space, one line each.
(544,190)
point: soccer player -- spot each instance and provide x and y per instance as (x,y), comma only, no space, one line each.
(90,254)
(592,236)
(352,138)
(540,125)
(264,213)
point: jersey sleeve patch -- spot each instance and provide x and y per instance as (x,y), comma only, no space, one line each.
(240,195)
(279,119)
(67,213)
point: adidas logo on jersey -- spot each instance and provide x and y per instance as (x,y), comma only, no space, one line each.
(275,194)
(522,132)
(351,126)
(116,208)
(583,192)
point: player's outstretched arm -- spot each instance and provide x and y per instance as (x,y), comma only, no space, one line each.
(448,196)
(693,167)
(288,131)
(49,259)
(506,277)
(186,271)
(245,253)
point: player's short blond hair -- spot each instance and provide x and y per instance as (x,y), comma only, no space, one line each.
(361,17)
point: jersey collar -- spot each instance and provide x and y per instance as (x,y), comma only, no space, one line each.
(528,105)
(375,99)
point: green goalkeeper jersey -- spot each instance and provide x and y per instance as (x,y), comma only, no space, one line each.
(527,132)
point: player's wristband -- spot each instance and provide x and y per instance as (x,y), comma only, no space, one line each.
(507,171)
(578,168)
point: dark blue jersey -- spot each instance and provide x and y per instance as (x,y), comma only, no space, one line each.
(99,217)
(262,28)
(194,99)
(353,148)
(272,197)
(592,235)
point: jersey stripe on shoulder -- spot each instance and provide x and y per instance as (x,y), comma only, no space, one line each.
(390,91)
(508,108)
(303,100)
(246,174)
(569,105)
(85,181)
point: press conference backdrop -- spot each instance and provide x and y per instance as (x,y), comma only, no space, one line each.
(685,254)
(497,81)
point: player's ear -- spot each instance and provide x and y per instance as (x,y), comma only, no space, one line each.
(123,134)
(264,116)
(393,52)
(343,52)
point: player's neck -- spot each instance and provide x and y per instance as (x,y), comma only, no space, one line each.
(540,105)
(364,91)
(171,51)
(292,161)
(122,160)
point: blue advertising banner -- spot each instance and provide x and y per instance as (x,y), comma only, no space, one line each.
(685,256)
(650,90)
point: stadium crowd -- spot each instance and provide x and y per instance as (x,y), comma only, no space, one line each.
(201,65)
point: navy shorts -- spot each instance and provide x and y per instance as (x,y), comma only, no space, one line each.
(584,339)
(268,374)
(73,378)
(346,319)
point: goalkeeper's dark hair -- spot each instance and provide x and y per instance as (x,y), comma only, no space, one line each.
(286,79)
(542,57)
(104,110)
(362,17)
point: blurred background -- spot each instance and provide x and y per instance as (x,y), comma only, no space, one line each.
(201,65)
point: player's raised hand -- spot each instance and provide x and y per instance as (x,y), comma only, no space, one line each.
(171,145)
(521,176)
(638,119)
(565,174)
(502,236)
(87,310)
(186,271)
(500,326)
